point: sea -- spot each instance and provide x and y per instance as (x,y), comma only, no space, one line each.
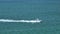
(46,10)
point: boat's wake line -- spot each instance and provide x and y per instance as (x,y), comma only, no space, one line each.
(28,21)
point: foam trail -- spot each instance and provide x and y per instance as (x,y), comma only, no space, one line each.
(32,21)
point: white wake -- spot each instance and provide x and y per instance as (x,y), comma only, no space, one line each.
(31,21)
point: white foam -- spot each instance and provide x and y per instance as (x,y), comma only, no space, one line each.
(28,21)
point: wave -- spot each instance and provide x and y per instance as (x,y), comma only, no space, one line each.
(28,21)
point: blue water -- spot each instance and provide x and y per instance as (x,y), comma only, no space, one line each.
(47,11)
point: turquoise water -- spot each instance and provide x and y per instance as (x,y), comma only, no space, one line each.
(48,12)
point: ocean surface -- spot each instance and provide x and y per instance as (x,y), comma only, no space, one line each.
(47,11)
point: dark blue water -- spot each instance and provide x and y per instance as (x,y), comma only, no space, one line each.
(47,11)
